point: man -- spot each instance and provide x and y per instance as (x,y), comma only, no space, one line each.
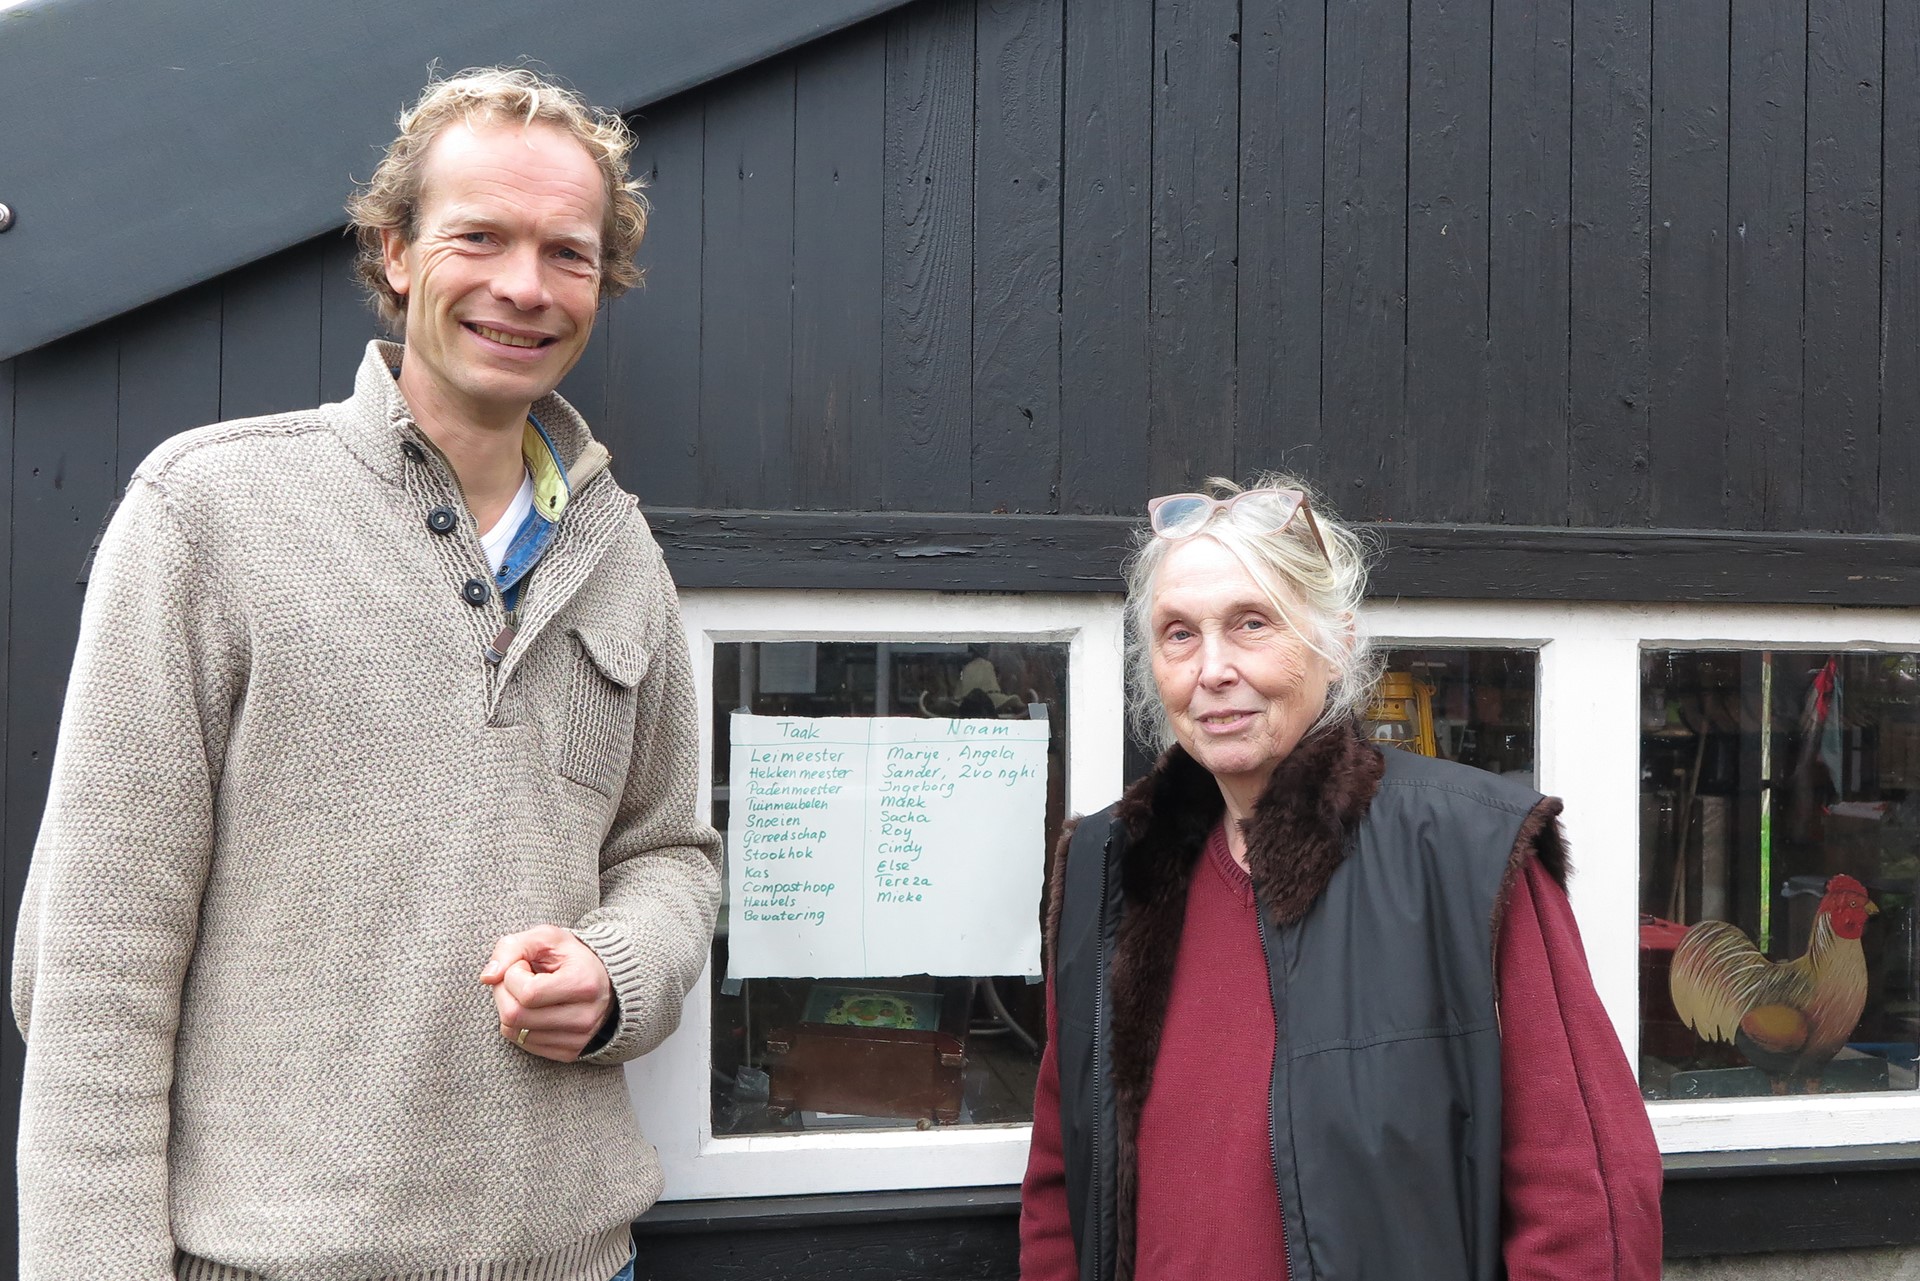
(371,851)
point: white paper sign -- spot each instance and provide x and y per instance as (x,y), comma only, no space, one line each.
(863,847)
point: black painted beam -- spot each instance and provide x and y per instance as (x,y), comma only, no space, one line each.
(813,1210)
(148,147)
(962,552)
(1722,1203)
(936,1234)
(937,1250)
(908,550)
(1714,1203)
(1721,567)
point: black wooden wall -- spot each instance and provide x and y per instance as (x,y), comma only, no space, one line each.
(1593,263)
(1584,264)
(1498,261)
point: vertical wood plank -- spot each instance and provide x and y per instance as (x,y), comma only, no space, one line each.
(1016,256)
(1282,140)
(585,386)
(1105,252)
(1900,279)
(1839,450)
(1687,321)
(928,255)
(839,145)
(13,863)
(347,321)
(1364,298)
(64,480)
(169,372)
(1196,195)
(652,423)
(1766,152)
(270,335)
(1448,180)
(746,320)
(1528,262)
(1610,371)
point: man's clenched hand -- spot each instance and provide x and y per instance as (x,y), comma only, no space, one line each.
(552,992)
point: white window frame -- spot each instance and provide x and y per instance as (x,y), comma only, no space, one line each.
(1588,722)
(1588,726)
(670,1087)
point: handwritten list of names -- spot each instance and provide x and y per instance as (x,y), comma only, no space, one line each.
(873,847)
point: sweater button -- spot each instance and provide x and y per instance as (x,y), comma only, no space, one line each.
(413,451)
(441,520)
(475,592)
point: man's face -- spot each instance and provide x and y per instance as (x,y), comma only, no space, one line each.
(502,277)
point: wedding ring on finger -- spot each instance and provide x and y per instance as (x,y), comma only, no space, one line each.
(521,1040)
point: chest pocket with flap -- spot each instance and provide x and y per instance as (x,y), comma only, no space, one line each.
(597,741)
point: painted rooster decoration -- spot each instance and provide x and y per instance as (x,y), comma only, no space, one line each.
(1789,1018)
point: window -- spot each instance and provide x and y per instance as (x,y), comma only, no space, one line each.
(1779,859)
(793,1054)
(1475,706)
(1615,683)
(749,1098)
(1678,737)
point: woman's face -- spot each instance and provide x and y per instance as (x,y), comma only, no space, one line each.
(1240,686)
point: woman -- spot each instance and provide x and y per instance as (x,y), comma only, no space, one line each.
(1372,953)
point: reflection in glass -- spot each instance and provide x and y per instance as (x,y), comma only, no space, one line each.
(1779,858)
(1474,706)
(913,1050)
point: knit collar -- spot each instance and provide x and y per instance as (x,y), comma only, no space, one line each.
(1296,837)
(376,423)
(1219,856)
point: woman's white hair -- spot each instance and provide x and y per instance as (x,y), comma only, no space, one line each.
(1318,596)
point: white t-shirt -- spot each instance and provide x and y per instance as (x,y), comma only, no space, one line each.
(496,540)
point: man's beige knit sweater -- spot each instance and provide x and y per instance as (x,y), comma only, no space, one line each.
(292,808)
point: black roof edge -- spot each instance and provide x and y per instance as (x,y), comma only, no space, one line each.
(149,147)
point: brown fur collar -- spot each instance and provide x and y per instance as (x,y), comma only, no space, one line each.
(1295,840)
(1539,837)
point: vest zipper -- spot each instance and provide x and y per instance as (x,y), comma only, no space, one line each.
(1273,1158)
(1269,940)
(1099,1061)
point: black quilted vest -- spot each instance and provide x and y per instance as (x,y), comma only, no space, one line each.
(1385,1116)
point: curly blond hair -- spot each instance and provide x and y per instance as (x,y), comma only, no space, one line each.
(390,200)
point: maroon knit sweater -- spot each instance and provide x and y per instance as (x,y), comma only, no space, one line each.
(1580,1169)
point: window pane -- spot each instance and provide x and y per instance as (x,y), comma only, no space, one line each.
(1478,702)
(793,1054)
(1779,851)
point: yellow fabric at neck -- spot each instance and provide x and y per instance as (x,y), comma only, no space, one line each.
(550,492)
